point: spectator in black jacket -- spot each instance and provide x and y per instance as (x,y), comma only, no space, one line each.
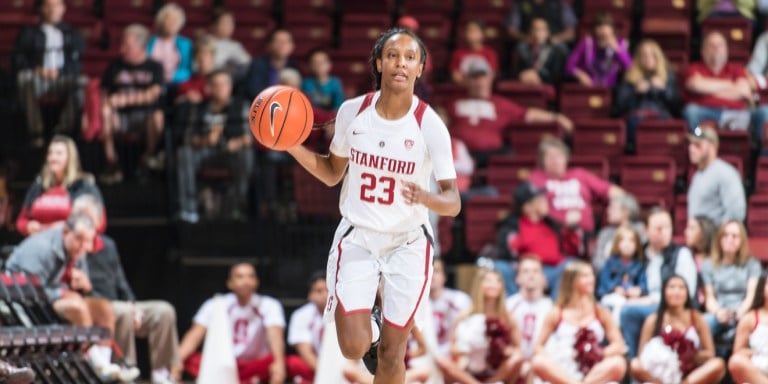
(46,61)
(151,319)
(649,89)
(264,70)
(538,60)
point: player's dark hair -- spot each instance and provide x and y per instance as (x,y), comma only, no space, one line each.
(758,300)
(314,278)
(378,48)
(237,264)
(663,306)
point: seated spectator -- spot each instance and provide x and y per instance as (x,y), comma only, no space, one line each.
(230,54)
(649,90)
(719,91)
(481,118)
(131,90)
(749,360)
(263,71)
(324,91)
(622,278)
(154,320)
(699,236)
(290,77)
(663,258)
(558,14)
(529,306)
(169,48)
(539,60)
(664,358)
(622,210)
(570,191)
(220,136)
(57,257)
(257,323)
(486,340)
(600,58)
(730,277)
(726,8)
(305,330)
(716,191)
(758,62)
(46,61)
(530,230)
(48,201)
(575,314)
(195,89)
(474,50)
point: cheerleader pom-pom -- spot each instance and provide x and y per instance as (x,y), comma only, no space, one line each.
(499,339)
(661,361)
(759,340)
(562,354)
(588,350)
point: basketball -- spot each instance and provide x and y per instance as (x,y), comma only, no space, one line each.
(281,117)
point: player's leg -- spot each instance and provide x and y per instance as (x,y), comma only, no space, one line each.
(353,279)
(548,370)
(712,371)
(743,371)
(639,373)
(609,370)
(394,342)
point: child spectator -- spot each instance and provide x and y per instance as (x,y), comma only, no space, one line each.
(601,57)
(169,48)
(622,210)
(195,89)
(229,54)
(749,361)
(474,50)
(324,91)
(622,277)
(675,344)
(539,60)
(305,330)
(649,90)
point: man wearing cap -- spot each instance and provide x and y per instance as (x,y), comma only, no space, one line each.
(716,190)
(530,231)
(480,118)
(720,91)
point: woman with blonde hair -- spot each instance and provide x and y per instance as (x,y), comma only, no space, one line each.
(486,339)
(730,276)
(649,90)
(48,201)
(569,348)
(169,48)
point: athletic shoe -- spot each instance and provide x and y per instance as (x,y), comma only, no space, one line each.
(371,358)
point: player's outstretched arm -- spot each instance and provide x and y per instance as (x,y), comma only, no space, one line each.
(327,168)
(444,203)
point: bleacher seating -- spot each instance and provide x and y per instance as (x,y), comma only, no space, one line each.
(481,215)
(578,101)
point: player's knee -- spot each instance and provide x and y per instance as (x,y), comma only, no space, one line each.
(391,355)
(352,348)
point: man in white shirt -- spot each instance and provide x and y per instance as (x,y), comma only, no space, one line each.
(529,306)
(257,324)
(305,330)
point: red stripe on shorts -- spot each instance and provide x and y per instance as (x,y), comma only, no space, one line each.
(421,294)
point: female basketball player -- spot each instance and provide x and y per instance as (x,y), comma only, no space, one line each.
(386,145)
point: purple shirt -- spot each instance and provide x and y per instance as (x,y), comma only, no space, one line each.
(603,65)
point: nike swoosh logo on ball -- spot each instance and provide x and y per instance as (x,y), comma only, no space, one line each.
(272,108)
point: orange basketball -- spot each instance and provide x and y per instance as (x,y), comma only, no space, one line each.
(281,117)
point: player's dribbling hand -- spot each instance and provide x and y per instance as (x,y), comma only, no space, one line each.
(277,372)
(412,193)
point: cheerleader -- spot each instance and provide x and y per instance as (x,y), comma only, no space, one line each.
(486,340)
(675,343)
(749,362)
(570,346)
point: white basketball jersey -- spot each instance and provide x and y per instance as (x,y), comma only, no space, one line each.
(529,316)
(249,323)
(445,310)
(306,326)
(384,153)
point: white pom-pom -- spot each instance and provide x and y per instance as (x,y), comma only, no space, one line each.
(563,355)
(661,361)
(758,341)
(471,339)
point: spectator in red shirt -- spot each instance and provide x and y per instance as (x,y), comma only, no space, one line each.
(720,91)
(533,231)
(474,49)
(481,118)
(195,89)
(49,199)
(570,191)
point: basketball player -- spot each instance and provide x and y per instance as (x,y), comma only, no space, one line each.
(386,145)
(305,330)
(257,330)
(529,306)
